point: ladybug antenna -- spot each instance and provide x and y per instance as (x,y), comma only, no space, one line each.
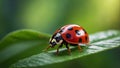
(47,48)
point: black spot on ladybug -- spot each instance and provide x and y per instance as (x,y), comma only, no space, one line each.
(80,40)
(86,38)
(77,32)
(70,28)
(68,35)
(84,31)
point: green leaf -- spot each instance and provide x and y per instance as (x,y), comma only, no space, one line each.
(20,44)
(99,42)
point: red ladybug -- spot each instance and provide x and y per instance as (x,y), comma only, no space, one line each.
(69,34)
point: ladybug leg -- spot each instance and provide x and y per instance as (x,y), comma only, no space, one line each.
(69,51)
(58,49)
(46,48)
(79,48)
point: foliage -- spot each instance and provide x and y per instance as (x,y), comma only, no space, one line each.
(25,46)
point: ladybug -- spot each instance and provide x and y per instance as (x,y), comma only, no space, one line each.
(72,34)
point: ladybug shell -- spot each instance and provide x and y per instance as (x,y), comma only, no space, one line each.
(74,34)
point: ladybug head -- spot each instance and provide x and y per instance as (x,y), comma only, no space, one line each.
(56,40)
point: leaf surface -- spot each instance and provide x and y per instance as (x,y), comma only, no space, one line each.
(99,42)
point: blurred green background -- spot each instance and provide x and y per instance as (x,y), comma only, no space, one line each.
(48,15)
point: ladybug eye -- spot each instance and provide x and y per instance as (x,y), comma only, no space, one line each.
(53,43)
(58,38)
